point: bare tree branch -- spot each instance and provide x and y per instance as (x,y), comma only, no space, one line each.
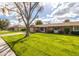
(36,15)
(21,13)
(25,8)
(20,9)
(35,5)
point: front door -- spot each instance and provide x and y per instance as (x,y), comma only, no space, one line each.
(42,29)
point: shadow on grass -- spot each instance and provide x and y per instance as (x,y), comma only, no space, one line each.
(11,45)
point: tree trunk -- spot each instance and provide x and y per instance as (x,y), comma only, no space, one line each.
(27,31)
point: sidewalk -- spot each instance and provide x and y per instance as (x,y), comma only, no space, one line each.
(12,34)
(5,49)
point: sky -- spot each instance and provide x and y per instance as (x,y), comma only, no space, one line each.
(58,12)
(53,12)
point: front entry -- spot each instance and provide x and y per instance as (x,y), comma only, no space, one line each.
(66,30)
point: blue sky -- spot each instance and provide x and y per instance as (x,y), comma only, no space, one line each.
(54,12)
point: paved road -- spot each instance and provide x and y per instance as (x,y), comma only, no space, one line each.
(4,48)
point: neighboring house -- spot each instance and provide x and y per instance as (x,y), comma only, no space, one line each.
(16,27)
(56,27)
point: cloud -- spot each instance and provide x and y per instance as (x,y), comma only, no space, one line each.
(62,12)
(75,9)
(67,10)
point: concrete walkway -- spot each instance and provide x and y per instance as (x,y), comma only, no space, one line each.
(4,48)
(11,34)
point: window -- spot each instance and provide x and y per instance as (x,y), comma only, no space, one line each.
(76,28)
(42,29)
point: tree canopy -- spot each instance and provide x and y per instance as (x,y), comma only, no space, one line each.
(39,22)
(4,24)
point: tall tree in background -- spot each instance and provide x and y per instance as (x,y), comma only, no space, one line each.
(4,24)
(28,12)
(67,20)
(39,22)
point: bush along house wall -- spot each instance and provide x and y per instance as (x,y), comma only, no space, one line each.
(75,32)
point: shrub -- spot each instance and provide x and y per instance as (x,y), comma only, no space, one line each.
(75,32)
(23,29)
(4,23)
(66,30)
(61,32)
(39,22)
(50,31)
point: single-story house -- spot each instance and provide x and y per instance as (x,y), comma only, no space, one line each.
(56,27)
(16,27)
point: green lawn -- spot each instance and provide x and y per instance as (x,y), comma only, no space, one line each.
(7,32)
(42,44)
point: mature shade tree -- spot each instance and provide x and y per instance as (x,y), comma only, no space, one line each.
(4,23)
(39,22)
(27,12)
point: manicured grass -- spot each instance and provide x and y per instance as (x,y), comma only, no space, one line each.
(42,44)
(7,32)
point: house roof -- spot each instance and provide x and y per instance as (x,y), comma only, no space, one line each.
(16,26)
(59,24)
